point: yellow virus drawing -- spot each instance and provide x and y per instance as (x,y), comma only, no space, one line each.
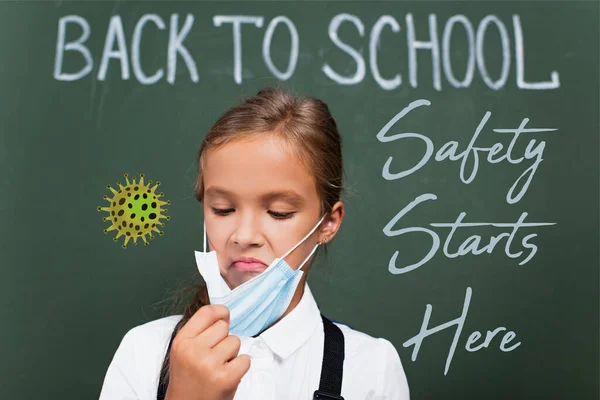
(135,210)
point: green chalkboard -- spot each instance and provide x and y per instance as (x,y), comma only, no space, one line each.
(472,162)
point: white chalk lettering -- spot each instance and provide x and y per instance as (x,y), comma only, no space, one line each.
(554,82)
(381,136)
(390,232)
(236,21)
(481,31)
(176,47)
(386,84)
(446,59)
(506,339)
(266,48)
(76,45)
(135,50)
(449,151)
(444,68)
(459,322)
(471,245)
(115,32)
(358,59)
(414,45)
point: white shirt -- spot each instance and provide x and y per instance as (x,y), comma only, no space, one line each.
(285,361)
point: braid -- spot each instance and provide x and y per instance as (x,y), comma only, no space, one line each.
(200,300)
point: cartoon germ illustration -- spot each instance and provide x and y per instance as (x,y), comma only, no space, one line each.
(135,210)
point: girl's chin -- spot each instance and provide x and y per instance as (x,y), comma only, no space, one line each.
(236,277)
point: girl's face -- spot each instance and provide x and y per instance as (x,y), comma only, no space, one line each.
(259,201)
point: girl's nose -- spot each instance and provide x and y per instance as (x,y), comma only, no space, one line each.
(247,232)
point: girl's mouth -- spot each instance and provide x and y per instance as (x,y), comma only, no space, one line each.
(249,264)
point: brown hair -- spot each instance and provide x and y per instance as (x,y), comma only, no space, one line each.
(305,125)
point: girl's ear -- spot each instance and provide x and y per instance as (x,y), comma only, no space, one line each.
(332,223)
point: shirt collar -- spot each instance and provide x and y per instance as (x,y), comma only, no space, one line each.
(293,330)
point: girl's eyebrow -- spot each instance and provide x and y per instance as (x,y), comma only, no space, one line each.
(284,195)
(217,191)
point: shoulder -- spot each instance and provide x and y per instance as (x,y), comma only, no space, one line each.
(155,330)
(151,338)
(360,344)
(377,358)
(135,367)
(148,342)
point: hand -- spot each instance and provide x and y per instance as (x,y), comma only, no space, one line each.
(205,364)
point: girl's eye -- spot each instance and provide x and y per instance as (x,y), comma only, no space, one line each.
(222,211)
(278,215)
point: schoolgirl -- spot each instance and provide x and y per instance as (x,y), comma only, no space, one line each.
(269,181)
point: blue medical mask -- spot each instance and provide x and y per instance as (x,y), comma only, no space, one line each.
(257,303)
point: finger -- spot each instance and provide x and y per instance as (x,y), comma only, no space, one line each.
(203,318)
(227,349)
(238,366)
(215,333)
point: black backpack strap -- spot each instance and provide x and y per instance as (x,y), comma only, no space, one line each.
(330,386)
(163,382)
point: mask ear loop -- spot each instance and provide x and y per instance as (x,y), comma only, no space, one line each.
(204,241)
(309,256)
(302,241)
